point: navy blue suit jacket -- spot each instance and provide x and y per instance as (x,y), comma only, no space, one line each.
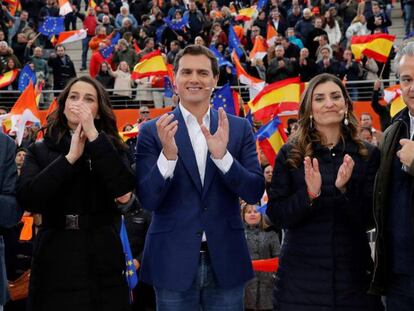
(183,208)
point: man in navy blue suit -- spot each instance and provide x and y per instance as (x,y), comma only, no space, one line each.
(193,165)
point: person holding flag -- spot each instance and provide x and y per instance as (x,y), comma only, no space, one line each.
(79,178)
(192,166)
(321,195)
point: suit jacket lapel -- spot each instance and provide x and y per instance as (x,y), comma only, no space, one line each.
(211,168)
(185,149)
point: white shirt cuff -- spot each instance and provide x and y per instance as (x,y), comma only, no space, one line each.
(225,163)
(165,166)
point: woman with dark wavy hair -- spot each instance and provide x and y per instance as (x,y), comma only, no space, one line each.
(321,195)
(76,178)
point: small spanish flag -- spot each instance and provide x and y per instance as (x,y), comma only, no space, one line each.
(152,64)
(246,14)
(377,46)
(8,77)
(392,95)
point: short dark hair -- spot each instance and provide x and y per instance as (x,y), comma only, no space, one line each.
(194,49)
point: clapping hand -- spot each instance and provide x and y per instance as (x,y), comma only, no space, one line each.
(166,129)
(313,176)
(86,118)
(77,145)
(344,173)
(217,143)
(406,153)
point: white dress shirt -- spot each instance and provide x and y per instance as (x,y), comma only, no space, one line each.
(199,144)
(411,125)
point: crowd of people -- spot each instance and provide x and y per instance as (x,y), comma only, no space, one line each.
(191,187)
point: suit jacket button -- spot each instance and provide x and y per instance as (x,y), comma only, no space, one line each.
(199,233)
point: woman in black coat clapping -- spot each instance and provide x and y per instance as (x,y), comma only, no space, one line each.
(321,195)
(75,178)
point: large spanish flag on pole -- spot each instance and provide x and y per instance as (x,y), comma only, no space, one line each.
(377,46)
(152,64)
(279,97)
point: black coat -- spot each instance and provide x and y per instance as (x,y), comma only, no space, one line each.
(62,73)
(325,260)
(76,269)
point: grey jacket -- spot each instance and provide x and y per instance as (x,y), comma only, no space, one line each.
(10,213)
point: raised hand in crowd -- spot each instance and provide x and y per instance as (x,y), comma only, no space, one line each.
(217,143)
(166,129)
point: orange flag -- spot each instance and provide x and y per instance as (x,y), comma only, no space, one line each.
(271,35)
(24,110)
(64,7)
(27,232)
(259,49)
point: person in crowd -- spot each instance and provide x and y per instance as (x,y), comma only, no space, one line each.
(328,64)
(378,19)
(5,54)
(351,71)
(382,111)
(276,20)
(393,208)
(291,35)
(262,244)
(62,68)
(104,76)
(306,66)
(358,27)
(304,26)
(40,64)
(315,36)
(124,13)
(408,8)
(78,178)
(366,135)
(124,53)
(332,29)
(366,122)
(280,67)
(323,43)
(196,20)
(90,22)
(123,81)
(100,37)
(321,194)
(10,211)
(188,167)
(294,16)
(19,160)
(217,35)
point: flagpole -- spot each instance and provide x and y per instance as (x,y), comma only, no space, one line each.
(382,71)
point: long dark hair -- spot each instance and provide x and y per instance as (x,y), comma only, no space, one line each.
(57,122)
(307,134)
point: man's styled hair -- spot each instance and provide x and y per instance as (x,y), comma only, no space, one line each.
(194,49)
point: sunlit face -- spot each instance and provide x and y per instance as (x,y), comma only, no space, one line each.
(325,53)
(328,105)
(60,51)
(11,64)
(37,52)
(20,158)
(304,52)
(366,120)
(307,14)
(279,51)
(80,93)
(406,68)
(347,54)
(268,173)
(124,66)
(199,41)
(252,216)
(194,79)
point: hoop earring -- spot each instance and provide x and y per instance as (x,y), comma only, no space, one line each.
(346,121)
(311,122)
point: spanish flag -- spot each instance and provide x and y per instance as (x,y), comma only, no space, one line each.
(24,110)
(64,7)
(377,46)
(246,14)
(271,35)
(152,64)
(392,95)
(8,77)
(129,134)
(271,137)
(279,97)
(259,49)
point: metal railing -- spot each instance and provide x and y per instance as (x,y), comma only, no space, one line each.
(359,91)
